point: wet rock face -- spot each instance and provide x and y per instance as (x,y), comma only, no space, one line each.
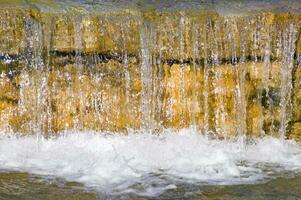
(75,67)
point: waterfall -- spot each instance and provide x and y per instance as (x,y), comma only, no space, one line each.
(150,99)
(266,71)
(241,112)
(205,85)
(182,96)
(288,49)
(218,80)
(126,71)
(77,120)
(195,53)
(145,77)
(222,75)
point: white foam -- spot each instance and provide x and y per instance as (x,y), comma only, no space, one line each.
(118,163)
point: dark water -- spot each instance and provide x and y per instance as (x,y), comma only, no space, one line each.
(18,185)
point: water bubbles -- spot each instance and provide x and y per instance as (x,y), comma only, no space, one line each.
(116,164)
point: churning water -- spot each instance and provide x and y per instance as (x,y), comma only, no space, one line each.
(146,164)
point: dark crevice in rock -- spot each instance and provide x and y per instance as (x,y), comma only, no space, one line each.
(106,56)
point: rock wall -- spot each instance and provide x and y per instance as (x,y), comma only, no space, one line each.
(130,68)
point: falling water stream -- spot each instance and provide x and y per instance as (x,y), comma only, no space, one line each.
(144,99)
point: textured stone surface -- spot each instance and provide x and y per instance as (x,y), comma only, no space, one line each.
(71,65)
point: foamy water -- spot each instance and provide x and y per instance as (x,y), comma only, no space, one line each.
(149,164)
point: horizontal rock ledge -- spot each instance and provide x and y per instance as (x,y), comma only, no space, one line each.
(70,57)
(58,26)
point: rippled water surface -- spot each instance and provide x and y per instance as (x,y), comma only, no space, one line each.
(16,185)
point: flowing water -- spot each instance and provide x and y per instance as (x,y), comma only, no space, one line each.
(153,166)
(150,99)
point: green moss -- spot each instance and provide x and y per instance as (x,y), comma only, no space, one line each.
(13,175)
(73,184)
(18,185)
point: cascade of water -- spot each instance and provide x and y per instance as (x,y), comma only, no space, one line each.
(256,39)
(77,120)
(145,76)
(48,38)
(182,100)
(23,84)
(238,88)
(267,71)
(126,69)
(24,76)
(217,74)
(98,81)
(159,84)
(195,44)
(153,78)
(34,82)
(287,61)
(241,114)
(98,100)
(206,81)
(219,91)
(232,44)
(267,62)
(94,96)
